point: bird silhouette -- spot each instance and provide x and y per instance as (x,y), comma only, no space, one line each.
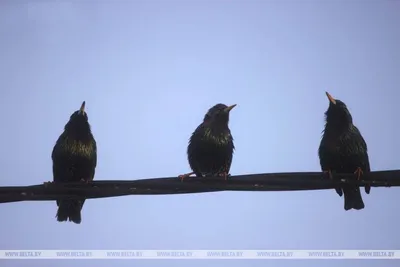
(344,150)
(210,148)
(74,159)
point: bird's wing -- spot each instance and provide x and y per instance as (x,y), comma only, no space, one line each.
(61,172)
(193,148)
(355,151)
(94,158)
(363,147)
(230,151)
(323,154)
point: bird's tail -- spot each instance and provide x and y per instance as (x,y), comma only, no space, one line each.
(352,198)
(69,210)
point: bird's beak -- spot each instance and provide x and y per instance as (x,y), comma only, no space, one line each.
(82,109)
(227,109)
(331,99)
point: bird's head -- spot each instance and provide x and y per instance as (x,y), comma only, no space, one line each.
(80,114)
(78,119)
(218,114)
(337,112)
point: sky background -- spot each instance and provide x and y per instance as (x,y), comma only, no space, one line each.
(149,71)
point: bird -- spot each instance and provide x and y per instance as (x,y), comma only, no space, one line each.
(210,149)
(344,150)
(74,159)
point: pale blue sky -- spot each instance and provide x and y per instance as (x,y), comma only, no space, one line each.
(149,70)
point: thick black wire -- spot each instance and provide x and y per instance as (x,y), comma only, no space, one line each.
(173,185)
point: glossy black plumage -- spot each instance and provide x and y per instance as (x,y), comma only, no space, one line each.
(210,149)
(343,150)
(74,159)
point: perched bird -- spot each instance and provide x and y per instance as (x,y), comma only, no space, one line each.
(211,147)
(343,150)
(74,159)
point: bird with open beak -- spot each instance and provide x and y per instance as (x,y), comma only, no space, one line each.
(74,159)
(343,150)
(210,149)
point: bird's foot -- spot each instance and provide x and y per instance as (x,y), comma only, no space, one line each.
(329,172)
(186,175)
(358,172)
(84,181)
(47,183)
(224,174)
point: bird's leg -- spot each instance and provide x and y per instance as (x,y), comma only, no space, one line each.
(359,172)
(329,172)
(47,183)
(84,181)
(224,174)
(186,175)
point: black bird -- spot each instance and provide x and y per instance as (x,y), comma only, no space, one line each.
(211,147)
(344,150)
(74,159)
